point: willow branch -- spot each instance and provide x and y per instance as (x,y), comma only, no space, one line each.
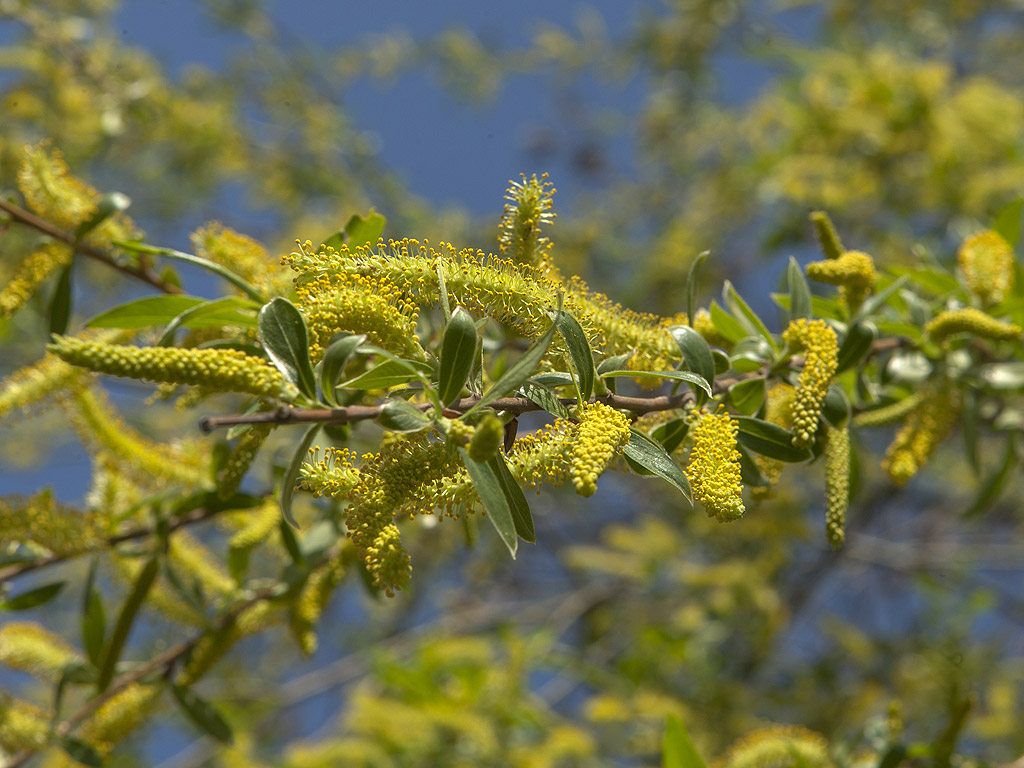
(17,569)
(143,273)
(163,662)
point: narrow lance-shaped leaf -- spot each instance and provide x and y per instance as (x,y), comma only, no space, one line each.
(695,351)
(691,284)
(141,313)
(769,440)
(495,498)
(746,396)
(745,315)
(402,416)
(579,352)
(60,303)
(282,331)
(521,516)
(32,597)
(1008,220)
(81,752)
(856,344)
(692,378)
(94,622)
(677,750)
(202,714)
(545,398)
(458,346)
(799,292)
(217,312)
(652,457)
(132,603)
(518,372)
(291,474)
(338,353)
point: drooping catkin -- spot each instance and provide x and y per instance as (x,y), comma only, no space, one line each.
(714,468)
(925,427)
(986,262)
(602,433)
(837,484)
(820,347)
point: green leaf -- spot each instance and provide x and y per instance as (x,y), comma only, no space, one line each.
(671,434)
(282,332)
(399,415)
(695,350)
(687,376)
(291,543)
(750,474)
(995,482)
(836,407)
(94,622)
(691,284)
(32,598)
(80,751)
(545,398)
(521,515)
(132,603)
(518,372)
(876,300)
(365,231)
(203,714)
(492,493)
(59,310)
(387,374)
(211,314)
(1007,221)
(821,306)
(458,347)
(652,457)
(856,344)
(238,281)
(677,751)
(799,293)
(970,421)
(769,440)
(291,474)
(338,353)
(141,313)
(745,315)
(579,352)
(726,324)
(110,204)
(746,396)
(614,363)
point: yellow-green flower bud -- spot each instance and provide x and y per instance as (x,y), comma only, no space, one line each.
(42,521)
(241,458)
(925,427)
(243,255)
(602,433)
(820,347)
(888,414)
(120,715)
(312,600)
(972,321)
(486,439)
(828,238)
(778,410)
(527,210)
(225,370)
(853,271)
(29,647)
(459,433)
(714,468)
(837,484)
(987,263)
(777,746)
(22,726)
(30,273)
(259,524)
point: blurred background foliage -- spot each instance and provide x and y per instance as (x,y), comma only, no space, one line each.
(699,124)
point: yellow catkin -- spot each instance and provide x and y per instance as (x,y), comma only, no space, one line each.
(778,410)
(854,273)
(42,521)
(972,321)
(29,647)
(30,273)
(125,711)
(827,236)
(837,484)
(259,524)
(987,264)
(926,426)
(820,347)
(192,559)
(487,438)
(226,370)
(240,459)
(777,746)
(888,414)
(147,461)
(22,726)
(602,433)
(313,599)
(52,192)
(528,210)
(714,467)
(243,255)
(459,433)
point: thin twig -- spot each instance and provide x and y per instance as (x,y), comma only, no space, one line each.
(143,273)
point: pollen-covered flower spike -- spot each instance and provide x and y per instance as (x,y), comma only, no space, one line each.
(972,321)
(854,273)
(925,427)
(527,210)
(837,484)
(820,347)
(28,275)
(828,238)
(986,262)
(714,468)
(602,432)
(222,369)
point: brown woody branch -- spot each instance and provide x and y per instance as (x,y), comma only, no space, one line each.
(144,272)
